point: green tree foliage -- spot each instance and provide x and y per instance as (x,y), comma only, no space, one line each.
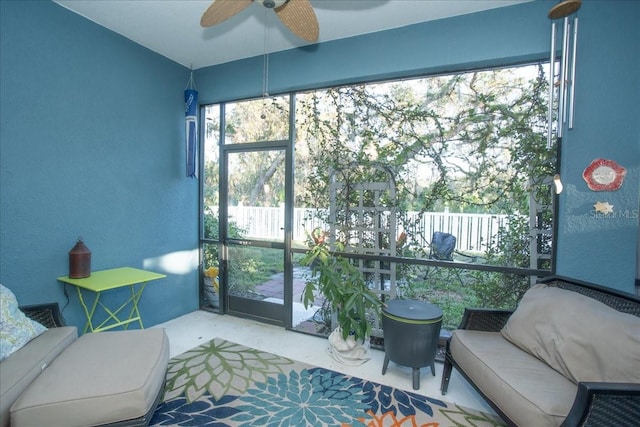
(473,142)
(510,249)
(256,178)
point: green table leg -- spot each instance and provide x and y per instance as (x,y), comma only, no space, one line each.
(89,313)
(112,320)
(135,297)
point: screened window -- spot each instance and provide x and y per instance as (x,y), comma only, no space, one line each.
(443,182)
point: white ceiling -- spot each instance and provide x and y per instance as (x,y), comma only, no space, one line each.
(172,27)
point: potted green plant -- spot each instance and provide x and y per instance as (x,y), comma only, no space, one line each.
(342,284)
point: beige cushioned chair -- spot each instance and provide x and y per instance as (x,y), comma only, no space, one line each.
(108,378)
(99,379)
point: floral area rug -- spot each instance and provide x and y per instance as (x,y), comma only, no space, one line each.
(222,383)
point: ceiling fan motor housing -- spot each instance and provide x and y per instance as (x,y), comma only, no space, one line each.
(270,4)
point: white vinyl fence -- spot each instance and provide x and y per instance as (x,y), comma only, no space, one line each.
(473,231)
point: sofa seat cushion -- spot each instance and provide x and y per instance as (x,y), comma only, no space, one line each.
(101,378)
(22,367)
(527,390)
(580,337)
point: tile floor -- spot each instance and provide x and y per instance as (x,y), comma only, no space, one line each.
(195,328)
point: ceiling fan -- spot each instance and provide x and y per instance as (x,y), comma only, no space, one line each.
(297,15)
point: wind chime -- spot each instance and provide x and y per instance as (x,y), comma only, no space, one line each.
(265,68)
(191,127)
(566,77)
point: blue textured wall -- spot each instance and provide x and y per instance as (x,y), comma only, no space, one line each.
(92,145)
(602,248)
(590,247)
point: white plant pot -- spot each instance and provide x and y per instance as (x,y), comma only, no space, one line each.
(348,352)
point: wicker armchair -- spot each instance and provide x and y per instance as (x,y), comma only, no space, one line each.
(595,404)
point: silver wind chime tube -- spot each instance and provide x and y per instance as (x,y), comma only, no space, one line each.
(566,77)
(573,71)
(552,66)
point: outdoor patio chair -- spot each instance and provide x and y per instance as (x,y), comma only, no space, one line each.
(442,246)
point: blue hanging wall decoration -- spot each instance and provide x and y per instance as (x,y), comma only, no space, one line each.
(191,122)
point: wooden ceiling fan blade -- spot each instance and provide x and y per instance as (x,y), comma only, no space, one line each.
(221,10)
(299,17)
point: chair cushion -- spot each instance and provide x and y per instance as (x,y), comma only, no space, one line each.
(526,389)
(101,378)
(16,329)
(19,370)
(580,337)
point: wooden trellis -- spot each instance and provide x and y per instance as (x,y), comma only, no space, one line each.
(362,216)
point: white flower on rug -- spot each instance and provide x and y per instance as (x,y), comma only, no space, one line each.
(220,368)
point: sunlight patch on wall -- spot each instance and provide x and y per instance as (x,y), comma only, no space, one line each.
(179,262)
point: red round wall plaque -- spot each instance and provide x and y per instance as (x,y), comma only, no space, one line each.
(604,175)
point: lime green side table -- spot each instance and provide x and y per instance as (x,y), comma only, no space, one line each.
(101,281)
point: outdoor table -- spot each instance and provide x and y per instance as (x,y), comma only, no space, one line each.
(105,280)
(411,331)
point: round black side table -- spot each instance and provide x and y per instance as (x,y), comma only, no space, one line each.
(411,331)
